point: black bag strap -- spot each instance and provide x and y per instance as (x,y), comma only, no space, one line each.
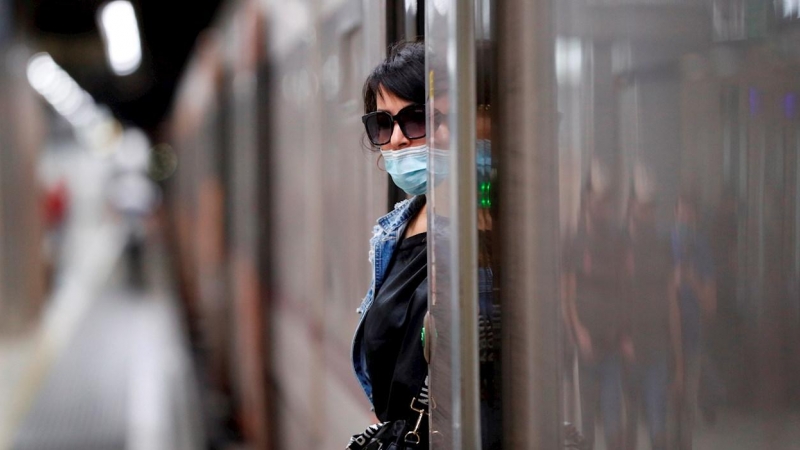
(359,441)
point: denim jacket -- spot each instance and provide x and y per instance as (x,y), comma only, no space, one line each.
(384,240)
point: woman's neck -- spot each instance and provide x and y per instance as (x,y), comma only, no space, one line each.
(419,223)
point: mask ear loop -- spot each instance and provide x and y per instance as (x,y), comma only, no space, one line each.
(378,163)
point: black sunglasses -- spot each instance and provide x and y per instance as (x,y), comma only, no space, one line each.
(380,124)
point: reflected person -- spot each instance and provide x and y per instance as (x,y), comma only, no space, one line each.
(652,344)
(593,307)
(696,286)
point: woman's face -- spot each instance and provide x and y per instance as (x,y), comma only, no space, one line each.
(392,104)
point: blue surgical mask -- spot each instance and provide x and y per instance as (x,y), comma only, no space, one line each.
(408,168)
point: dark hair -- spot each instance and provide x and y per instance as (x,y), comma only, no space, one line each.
(402,74)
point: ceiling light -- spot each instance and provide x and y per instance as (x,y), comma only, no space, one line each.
(121,35)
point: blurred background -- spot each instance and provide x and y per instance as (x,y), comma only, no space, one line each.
(135,198)
(186,202)
(95,348)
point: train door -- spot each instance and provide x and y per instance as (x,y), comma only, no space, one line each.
(324,193)
(643,208)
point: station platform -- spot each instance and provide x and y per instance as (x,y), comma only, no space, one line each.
(123,380)
(107,365)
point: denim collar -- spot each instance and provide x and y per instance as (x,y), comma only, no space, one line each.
(402,213)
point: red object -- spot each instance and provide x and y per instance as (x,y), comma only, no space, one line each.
(56,200)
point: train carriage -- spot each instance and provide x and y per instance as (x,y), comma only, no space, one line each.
(548,106)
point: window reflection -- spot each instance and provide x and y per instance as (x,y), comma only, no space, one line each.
(488,300)
(679,161)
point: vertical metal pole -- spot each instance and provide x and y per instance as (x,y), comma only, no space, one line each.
(528,223)
(465,233)
(452,221)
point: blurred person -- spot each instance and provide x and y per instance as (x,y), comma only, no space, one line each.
(135,197)
(652,342)
(697,299)
(56,201)
(594,311)
(388,356)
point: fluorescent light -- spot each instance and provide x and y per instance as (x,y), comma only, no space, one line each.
(121,34)
(67,97)
(66,88)
(42,71)
(72,103)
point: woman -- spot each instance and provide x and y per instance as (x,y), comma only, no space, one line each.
(388,356)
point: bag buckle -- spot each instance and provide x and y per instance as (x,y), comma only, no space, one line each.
(412,437)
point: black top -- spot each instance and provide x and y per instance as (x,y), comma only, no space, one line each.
(648,306)
(598,262)
(394,355)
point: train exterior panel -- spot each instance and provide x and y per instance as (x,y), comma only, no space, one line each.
(274,206)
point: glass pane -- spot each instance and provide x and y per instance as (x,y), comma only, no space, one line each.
(443,326)
(649,162)
(678,182)
(489,308)
(452,216)
(466,368)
